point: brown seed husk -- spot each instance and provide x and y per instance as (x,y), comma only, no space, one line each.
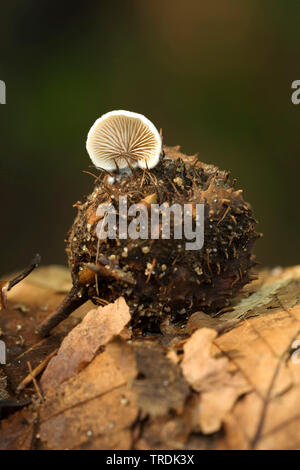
(159,278)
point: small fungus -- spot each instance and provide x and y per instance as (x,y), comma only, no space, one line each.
(119,140)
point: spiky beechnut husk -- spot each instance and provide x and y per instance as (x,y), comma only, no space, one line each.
(159,278)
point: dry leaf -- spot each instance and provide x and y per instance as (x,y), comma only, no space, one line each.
(160,385)
(18,330)
(80,346)
(203,320)
(17,431)
(277,291)
(95,408)
(268,417)
(172,356)
(18,368)
(103,417)
(280,428)
(164,433)
(255,345)
(113,368)
(200,369)
(214,404)
(135,394)
(220,388)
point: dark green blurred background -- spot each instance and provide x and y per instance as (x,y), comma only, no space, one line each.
(215,76)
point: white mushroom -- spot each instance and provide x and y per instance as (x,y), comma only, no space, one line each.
(122,139)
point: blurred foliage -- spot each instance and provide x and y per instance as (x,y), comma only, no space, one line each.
(215,76)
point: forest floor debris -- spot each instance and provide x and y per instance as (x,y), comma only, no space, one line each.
(230,381)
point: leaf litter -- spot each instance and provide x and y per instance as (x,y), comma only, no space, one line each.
(230,381)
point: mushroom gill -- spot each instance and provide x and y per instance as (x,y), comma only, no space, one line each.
(122,139)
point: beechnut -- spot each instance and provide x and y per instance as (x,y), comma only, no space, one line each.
(131,236)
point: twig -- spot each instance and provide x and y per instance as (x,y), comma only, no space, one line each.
(103,302)
(267,399)
(90,173)
(37,389)
(6,286)
(70,303)
(143,178)
(224,215)
(34,264)
(151,270)
(35,372)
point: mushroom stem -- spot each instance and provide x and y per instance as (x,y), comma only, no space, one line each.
(70,303)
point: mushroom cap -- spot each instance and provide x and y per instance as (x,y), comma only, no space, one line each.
(120,139)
